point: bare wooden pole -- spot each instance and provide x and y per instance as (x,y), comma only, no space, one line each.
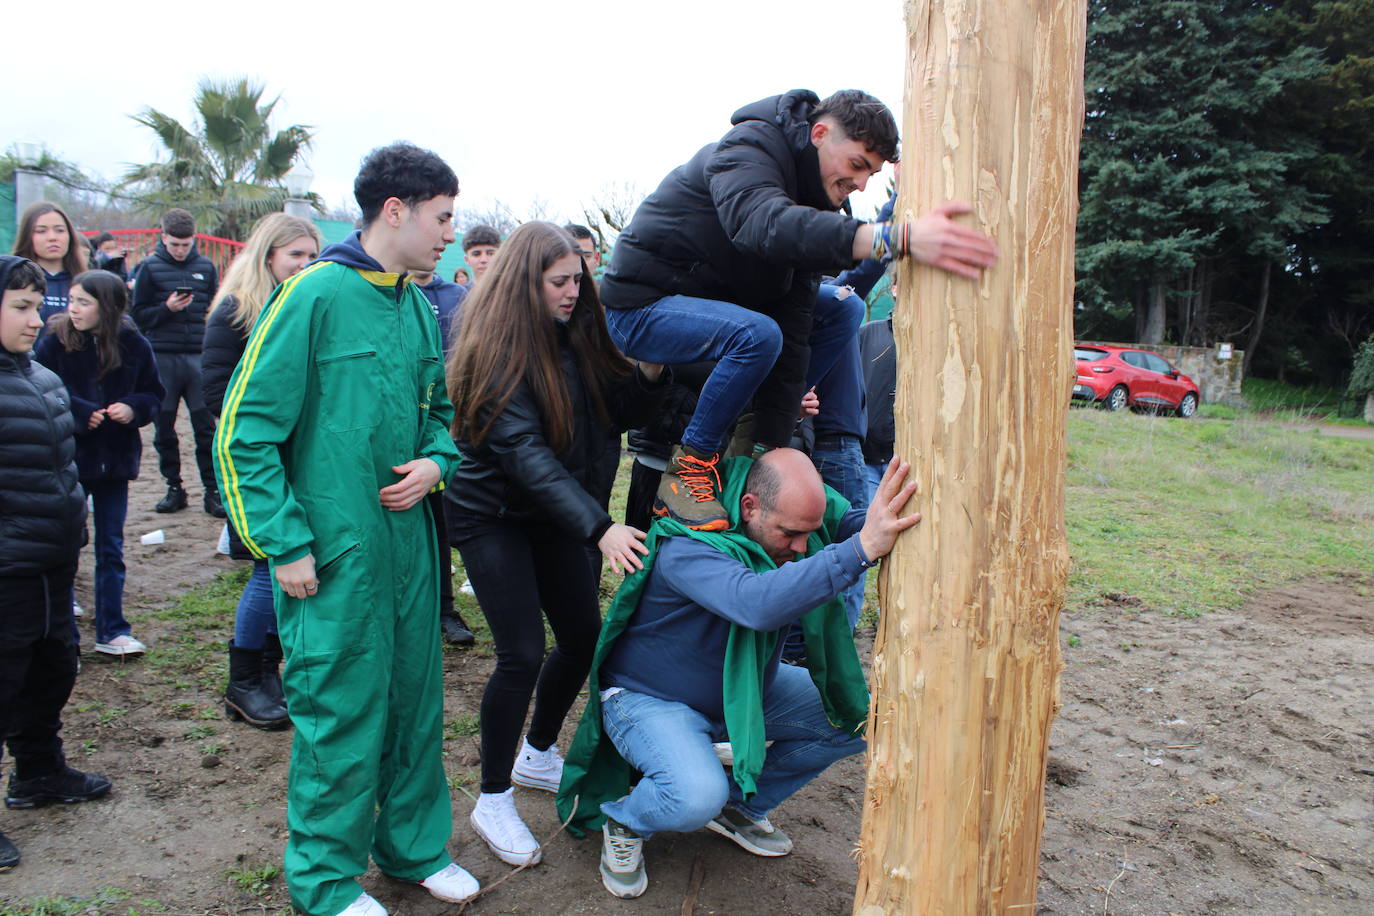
(966,667)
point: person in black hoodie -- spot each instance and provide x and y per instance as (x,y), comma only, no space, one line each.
(536,383)
(109,370)
(42,529)
(48,237)
(722,262)
(173,290)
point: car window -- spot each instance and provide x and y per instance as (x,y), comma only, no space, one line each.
(1088,354)
(1156,363)
(1133,358)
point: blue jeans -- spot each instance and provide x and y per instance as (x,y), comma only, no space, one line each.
(840,462)
(110,503)
(834,326)
(256,616)
(873,472)
(683,329)
(684,785)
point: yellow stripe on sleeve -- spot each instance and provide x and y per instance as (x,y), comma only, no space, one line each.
(233,498)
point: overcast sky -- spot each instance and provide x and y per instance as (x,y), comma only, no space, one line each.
(528,101)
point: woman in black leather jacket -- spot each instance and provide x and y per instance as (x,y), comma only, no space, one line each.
(536,384)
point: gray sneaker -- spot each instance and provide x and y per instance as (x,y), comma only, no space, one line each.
(622,860)
(759,837)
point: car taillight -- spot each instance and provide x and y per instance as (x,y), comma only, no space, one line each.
(1103,369)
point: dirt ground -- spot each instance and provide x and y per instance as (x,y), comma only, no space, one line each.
(1222,764)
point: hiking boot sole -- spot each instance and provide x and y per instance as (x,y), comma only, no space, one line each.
(713,524)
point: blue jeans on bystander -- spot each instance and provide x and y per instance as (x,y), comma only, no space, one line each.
(110,506)
(840,461)
(256,615)
(684,784)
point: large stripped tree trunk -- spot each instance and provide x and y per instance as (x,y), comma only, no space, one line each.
(965,671)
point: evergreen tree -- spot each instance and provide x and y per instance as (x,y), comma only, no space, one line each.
(1186,173)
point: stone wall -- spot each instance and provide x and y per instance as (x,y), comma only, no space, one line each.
(1218,379)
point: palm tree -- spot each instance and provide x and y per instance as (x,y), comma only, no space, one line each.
(228,171)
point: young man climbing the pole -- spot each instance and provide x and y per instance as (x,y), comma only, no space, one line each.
(688,662)
(722,261)
(334,428)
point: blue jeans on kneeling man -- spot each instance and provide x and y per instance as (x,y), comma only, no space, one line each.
(684,785)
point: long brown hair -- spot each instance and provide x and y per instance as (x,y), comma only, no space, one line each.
(111,298)
(506,336)
(75,260)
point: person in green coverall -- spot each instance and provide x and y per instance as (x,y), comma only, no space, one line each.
(334,428)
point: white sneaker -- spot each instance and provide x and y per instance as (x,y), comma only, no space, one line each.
(121,645)
(498,823)
(78,610)
(452,884)
(622,860)
(538,769)
(223,545)
(466,588)
(365,905)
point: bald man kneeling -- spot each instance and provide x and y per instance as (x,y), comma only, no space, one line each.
(688,666)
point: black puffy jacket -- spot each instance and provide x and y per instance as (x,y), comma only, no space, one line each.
(221,351)
(746,220)
(158,277)
(42,505)
(514,475)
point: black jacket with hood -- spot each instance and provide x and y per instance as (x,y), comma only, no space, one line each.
(42,505)
(514,475)
(158,277)
(746,221)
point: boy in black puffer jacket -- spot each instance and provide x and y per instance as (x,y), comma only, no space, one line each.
(42,529)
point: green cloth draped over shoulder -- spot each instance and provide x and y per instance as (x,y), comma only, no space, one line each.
(593,770)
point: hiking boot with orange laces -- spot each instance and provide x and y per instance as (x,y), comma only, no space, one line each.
(689,491)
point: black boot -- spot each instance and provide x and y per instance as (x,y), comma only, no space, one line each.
(9,853)
(174,501)
(271,669)
(67,786)
(245,697)
(455,632)
(213,505)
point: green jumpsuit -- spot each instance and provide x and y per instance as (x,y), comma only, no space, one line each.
(341,380)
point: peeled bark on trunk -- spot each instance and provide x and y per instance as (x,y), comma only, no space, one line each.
(966,664)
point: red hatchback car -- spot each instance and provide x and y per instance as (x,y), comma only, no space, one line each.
(1118,377)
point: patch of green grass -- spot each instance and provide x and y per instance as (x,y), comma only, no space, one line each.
(197,732)
(212,606)
(461,726)
(102,902)
(256,881)
(1268,395)
(1187,517)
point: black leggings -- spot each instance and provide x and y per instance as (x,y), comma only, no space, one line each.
(517,570)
